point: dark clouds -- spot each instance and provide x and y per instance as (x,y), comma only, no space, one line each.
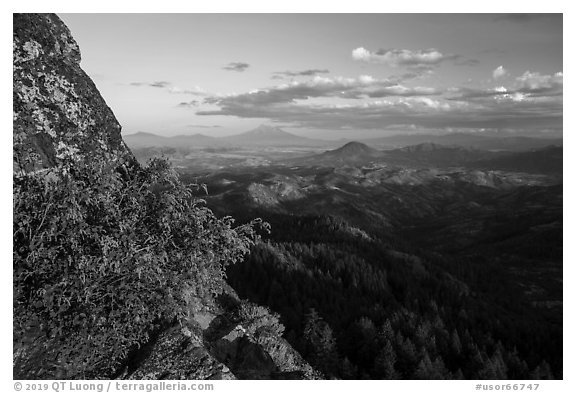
(533,101)
(413,111)
(236,66)
(352,88)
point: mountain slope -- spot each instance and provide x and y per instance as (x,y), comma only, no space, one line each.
(474,141)
(352,153)
(266,135)
(547,161)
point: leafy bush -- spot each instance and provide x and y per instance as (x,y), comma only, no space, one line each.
(101,257)
(260,323)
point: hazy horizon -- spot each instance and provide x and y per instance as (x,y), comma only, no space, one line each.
(327,76)
(331,138)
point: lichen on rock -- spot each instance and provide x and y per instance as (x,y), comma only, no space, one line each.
(59,113)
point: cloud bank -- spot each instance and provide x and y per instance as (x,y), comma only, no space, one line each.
(532,101)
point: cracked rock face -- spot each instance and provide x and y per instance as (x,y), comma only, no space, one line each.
(58,113)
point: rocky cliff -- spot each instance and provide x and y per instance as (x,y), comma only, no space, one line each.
(58,112)
(60,119)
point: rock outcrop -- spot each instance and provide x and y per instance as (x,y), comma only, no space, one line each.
(60,118)
(59,113)
(213,344)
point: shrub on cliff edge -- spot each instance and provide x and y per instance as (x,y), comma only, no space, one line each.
(100,259)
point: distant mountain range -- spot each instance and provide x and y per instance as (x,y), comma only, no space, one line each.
(144,139)
(266,135)
(272,136)
(262,136)
(482,142)
(546,160)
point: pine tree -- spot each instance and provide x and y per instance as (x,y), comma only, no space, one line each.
(424,370)
(542,371)
(384,364)
(348,370)
(322,345)
(455,343)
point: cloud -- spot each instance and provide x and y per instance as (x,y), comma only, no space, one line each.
(236,66)
(499,72)
(534,82)
(364,86)
(160,84)
(202,126)
(288,74)
(189,104)
(197,91)
(528,86)
(533,102)
(422,112)
(425,59)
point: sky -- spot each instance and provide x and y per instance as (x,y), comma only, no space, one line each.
(327,75)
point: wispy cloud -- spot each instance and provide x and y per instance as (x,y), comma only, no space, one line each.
(196,90)
(236,66)
(189,104)
(202,126)
(290,74)
(161,84)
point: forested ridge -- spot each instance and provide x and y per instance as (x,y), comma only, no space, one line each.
(360,306)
